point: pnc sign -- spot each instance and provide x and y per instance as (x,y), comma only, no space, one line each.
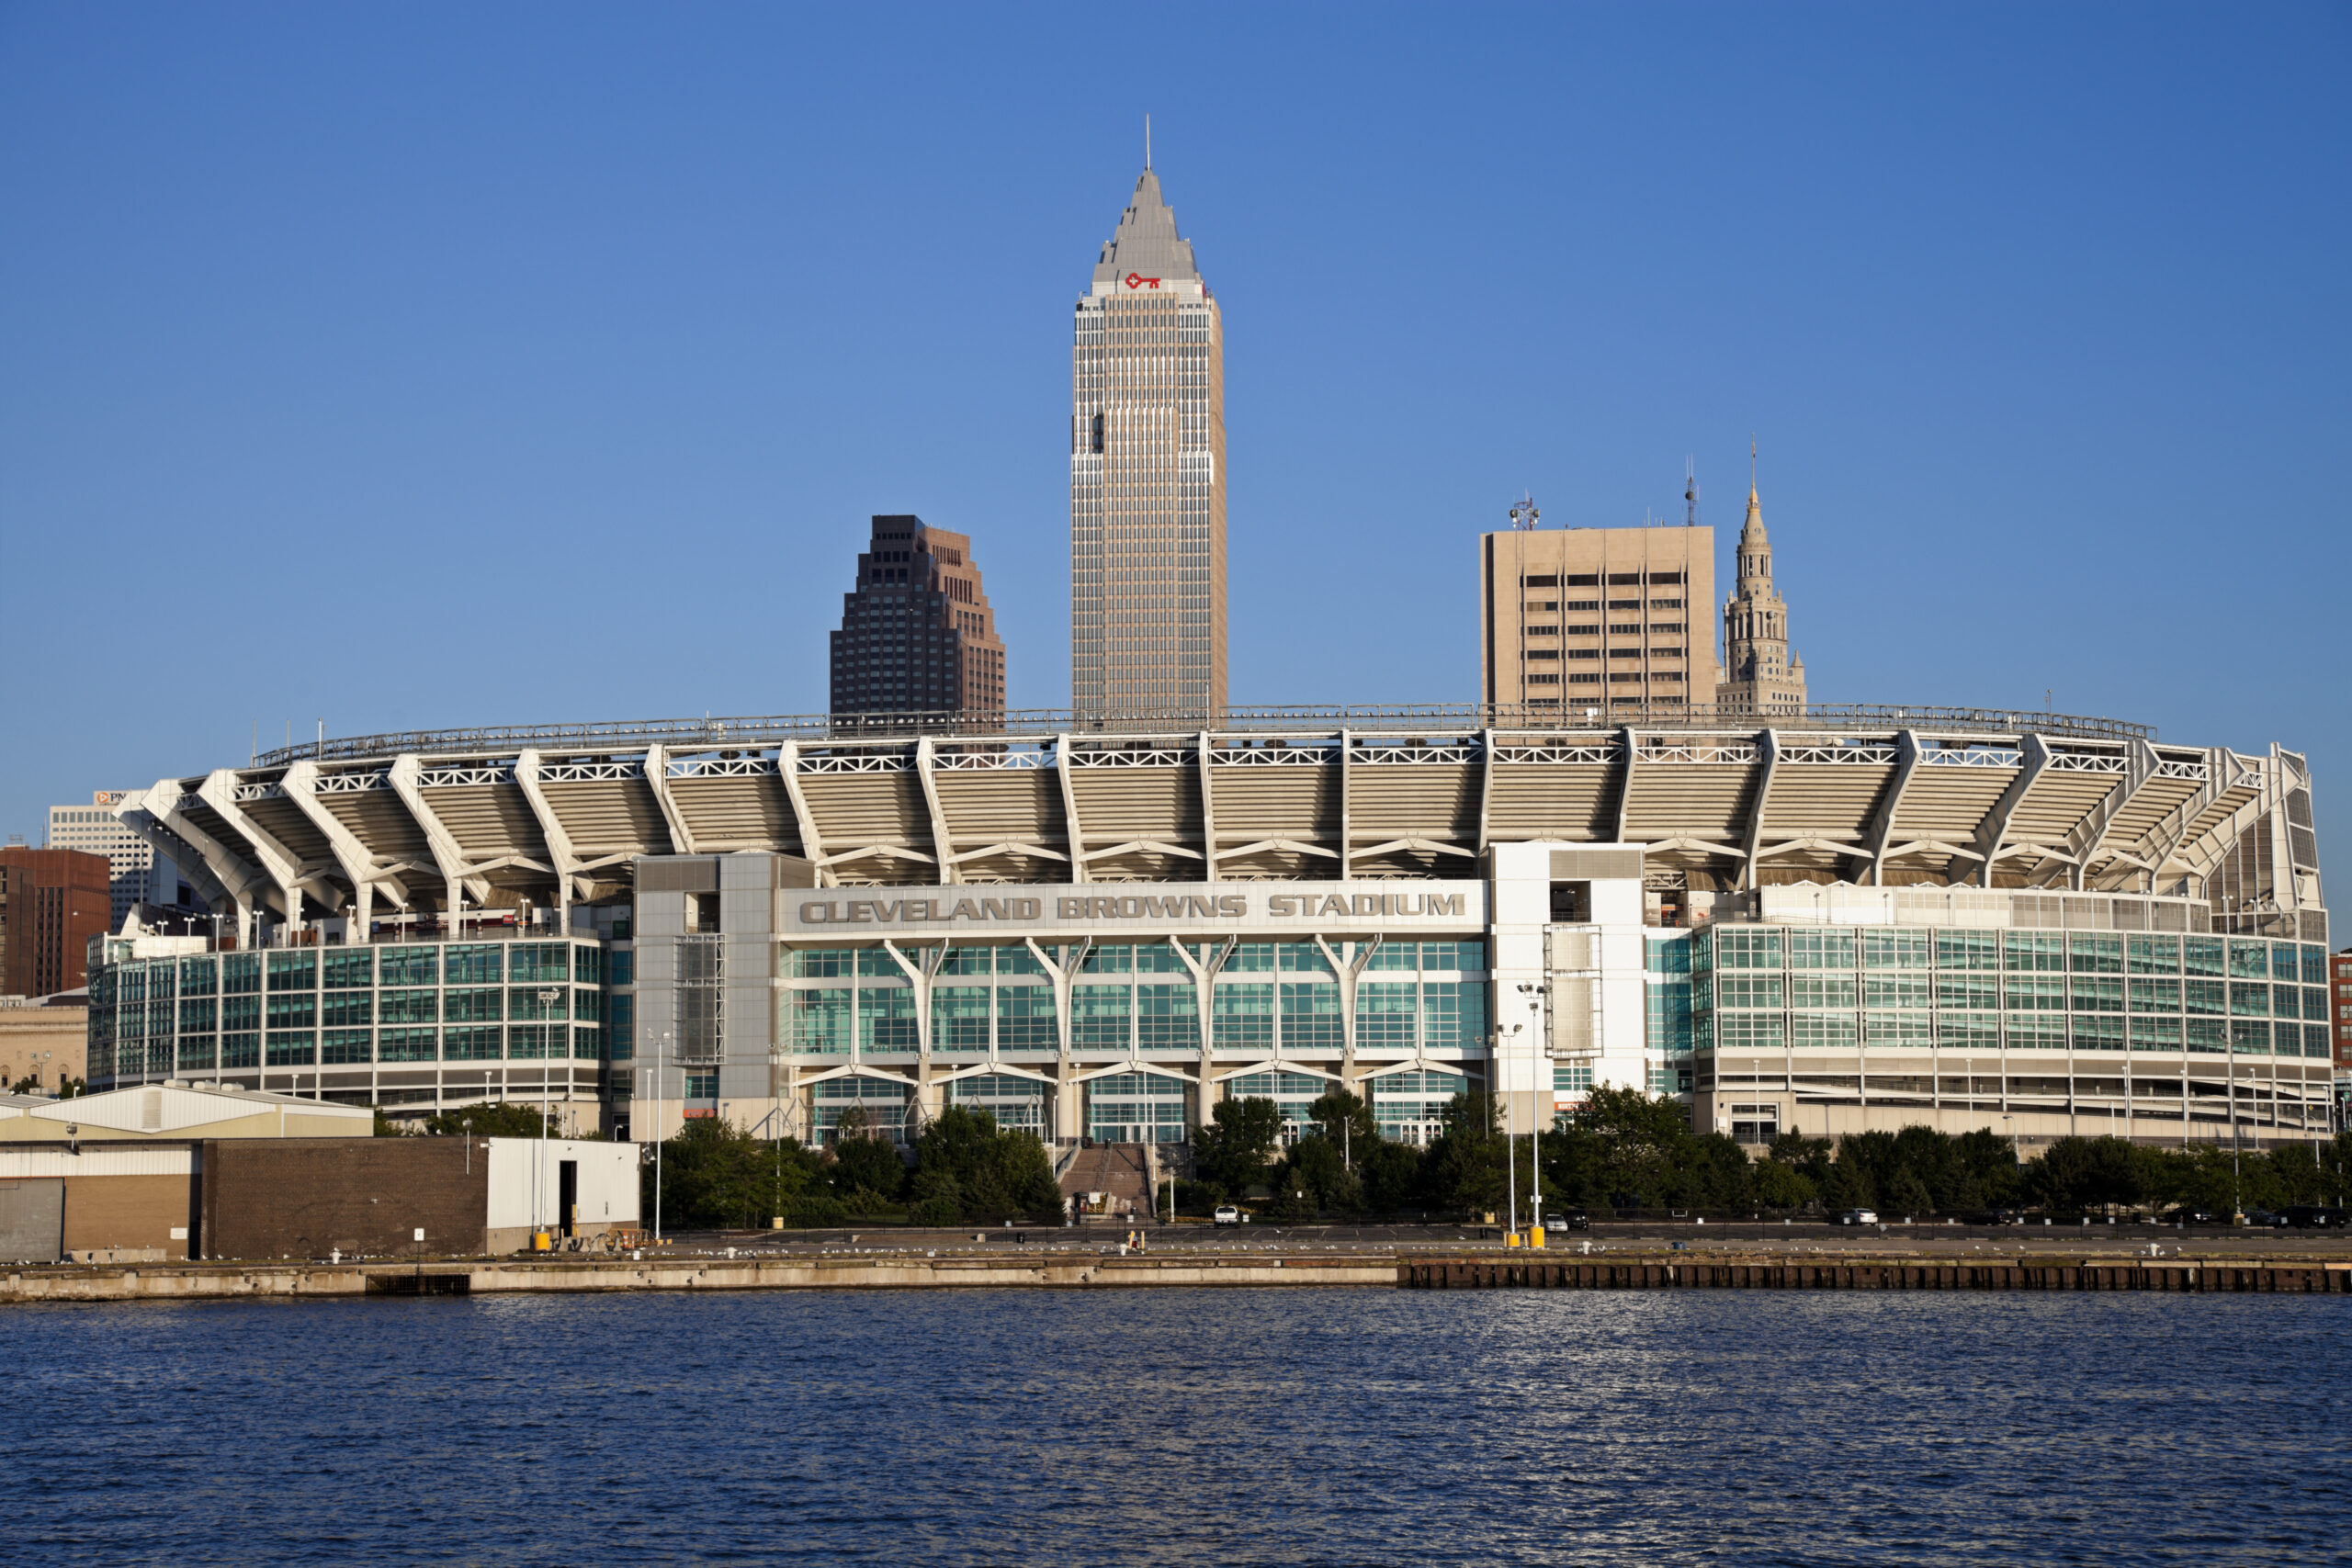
(1137,280)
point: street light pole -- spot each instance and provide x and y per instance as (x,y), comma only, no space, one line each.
(549,997)
(1511,1153)
(658,1063)
(1536,994)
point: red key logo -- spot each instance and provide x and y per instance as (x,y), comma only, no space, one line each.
(1137,280)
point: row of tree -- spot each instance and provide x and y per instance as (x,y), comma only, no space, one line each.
(715,1176)
(1622,1149)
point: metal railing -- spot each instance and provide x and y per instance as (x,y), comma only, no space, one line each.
(709,733)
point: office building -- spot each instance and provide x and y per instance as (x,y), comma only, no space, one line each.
(1762,674)
(1147,477)
(1598,621)
(51,903)
(136,873)
(1839,922)
(917,635)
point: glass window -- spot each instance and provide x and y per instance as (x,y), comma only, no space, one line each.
(342,1010)
(411,966)
(588,966)
(2037,1032)
(1025,1019)
(886,1018)
(1969,1030)
(2155,996)
(1159,958)
(1747,949)
(349,968)
(2098,994)
(2098,1033)
(1753,1031)
(621,968)
(969,961)
(1898,950)
(1244,1017)
(1822,1032)
(1898,991)
(241,1012)
(1167,1018)
(2249,960)
(408,1044)
(475,965)
(196,1054)
(197,1014)
(534,961)
(410,1007)
(1386,1011)
(1311,1016)
(240,972)
(538,1001)
(1460,957)
(2029,953)
(1968,950)
(292,1048)
(1098,1018)
(1821,950)
(2155,954)
(2206,1034)
(1250,958)
(2314,964)
(1749,991)
(538,1042)
(2034,993)
(820,963)
(201,977)
(477,1043)
(1394,955)
(1018,961)
(2249,1002)
(623,1023)
(2155,1033)
(821,1022)
(2314,1002)
(1904,1031)
(294,1010)
(2249,1037)
(960,1015)
(1979,993)
(2096,955)
(293,970)
(347,1047)
(1303,957)
(473,1007)
(2205,996)
(240,1051)
(2204,955)
(1112,958)
(1821,990)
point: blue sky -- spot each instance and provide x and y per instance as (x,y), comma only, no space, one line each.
(445,365)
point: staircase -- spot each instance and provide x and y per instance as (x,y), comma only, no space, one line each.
(1118,1172)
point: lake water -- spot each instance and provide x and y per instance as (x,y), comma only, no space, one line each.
(1185,1426)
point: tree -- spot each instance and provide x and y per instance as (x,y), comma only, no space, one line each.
(966,1167)
(717,1176)
(1346,1121)
(866,1172)
(503,1119)
(1390,1176)
(1464,1166)
(1314,1168)
(1236,1150)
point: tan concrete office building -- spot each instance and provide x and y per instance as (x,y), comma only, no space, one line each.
(1598,618)
(1146,476)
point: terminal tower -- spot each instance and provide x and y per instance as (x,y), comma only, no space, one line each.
(1761,673)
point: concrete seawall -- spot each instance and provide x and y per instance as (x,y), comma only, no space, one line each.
(231,1282)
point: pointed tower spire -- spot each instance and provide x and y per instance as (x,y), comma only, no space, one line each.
(1146,143)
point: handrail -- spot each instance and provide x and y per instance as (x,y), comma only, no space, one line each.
(752,733)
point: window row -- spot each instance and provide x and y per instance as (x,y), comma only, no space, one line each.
(354,1047)
(363,968)
(308,1010)
(1729,1033)
(1135,958)
(2094,952)
(2013,993)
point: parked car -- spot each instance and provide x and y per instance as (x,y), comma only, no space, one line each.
(1226,1214)
(1859,1217)
(2312,1216)
(2193,1216)
(2265,1218)
(1571,1220)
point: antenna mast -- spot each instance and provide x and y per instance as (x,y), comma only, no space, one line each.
(1690,492)
(1524,514)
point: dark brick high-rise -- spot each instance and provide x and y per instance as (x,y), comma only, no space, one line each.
(51,903)
(917,635)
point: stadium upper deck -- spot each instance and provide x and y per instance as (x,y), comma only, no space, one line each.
(553,815)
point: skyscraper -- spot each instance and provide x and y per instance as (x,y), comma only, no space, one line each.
(917,635)
(1598,618)
(1146,476)
(1761,673)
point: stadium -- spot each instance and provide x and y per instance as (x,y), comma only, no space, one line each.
(1850,918)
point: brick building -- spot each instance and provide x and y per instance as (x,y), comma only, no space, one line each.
(51,903)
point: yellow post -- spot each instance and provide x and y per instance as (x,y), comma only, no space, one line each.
(1535,1238)
(541,1242)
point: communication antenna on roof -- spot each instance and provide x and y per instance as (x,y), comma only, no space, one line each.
(1524,514)
(1690,492)
(1146,143)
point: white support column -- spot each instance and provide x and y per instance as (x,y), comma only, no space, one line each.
(302,785)
(1881,831)
(812,844)
(1485,791)
(237,875)
(560,852)
(1347,865)
(943,845)
(657,779)
(1347,972)
(1995,826)
(2086,838)
(1632,744)
(1205,748)
(1069,812)
(1768,758)
(219,790)
(406,773)
(1062,974)
(1204,973)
